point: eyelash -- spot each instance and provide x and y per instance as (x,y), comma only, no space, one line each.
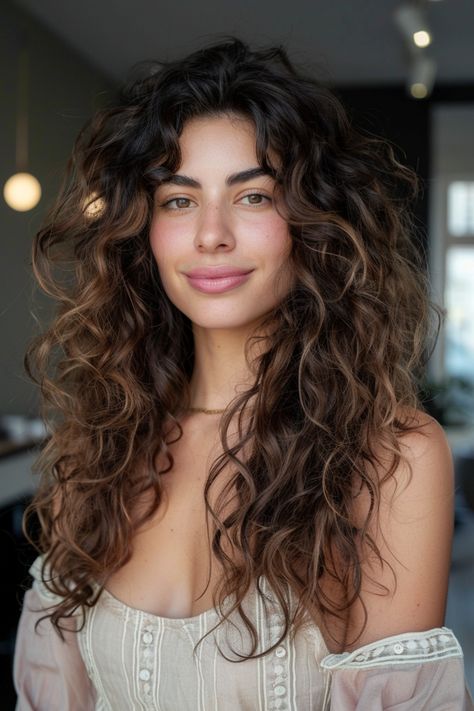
(178,209)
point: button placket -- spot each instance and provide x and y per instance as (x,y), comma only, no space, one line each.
(278,663)
(146,660)
(279,660)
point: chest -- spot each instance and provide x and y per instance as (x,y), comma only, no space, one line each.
(172,562)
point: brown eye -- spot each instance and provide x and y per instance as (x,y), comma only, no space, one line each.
(256,198)
(179,203)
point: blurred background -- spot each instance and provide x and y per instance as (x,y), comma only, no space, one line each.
(404,70)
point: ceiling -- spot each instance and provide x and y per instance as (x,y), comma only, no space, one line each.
(343,41)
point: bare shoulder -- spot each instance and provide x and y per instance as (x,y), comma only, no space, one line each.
(425,469)
(427,443)
(412,530)
(421,489)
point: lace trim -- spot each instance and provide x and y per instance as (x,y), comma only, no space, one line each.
(432,645)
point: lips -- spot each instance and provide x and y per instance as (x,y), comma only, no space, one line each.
(221,279)
(216,272)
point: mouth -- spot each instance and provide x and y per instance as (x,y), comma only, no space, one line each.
(216,272)
(217,284)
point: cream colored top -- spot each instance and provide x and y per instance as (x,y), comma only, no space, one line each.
(126,659)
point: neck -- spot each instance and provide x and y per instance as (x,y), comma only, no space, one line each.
(220,369)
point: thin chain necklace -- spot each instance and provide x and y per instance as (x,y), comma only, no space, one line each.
(203,409)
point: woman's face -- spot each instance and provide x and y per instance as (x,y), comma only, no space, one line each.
(209,214)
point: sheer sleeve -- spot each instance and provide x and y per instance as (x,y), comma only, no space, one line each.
(406,672)
(49,674)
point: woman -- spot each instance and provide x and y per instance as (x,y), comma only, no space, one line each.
(243,503)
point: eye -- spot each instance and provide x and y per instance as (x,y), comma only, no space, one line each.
(179,203)
(260,198)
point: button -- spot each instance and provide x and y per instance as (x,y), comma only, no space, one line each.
(398,648)
(360,658)
(278,669)
(280,651)
(147,637)
(144,674)
(411,644)
(280,690)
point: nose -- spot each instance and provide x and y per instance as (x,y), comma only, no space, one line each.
(213,230)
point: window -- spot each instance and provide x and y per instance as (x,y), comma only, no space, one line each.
(459,280)
(461,208)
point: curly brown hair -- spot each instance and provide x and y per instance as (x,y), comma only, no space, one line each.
(336,381)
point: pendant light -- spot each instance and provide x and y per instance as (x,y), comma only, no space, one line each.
(22,191)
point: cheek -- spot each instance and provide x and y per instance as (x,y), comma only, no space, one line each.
(163,242)
(279,238)
(163,258)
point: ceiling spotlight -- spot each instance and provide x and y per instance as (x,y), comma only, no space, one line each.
(413,25)
(422,38)
(418,91)
(422,77)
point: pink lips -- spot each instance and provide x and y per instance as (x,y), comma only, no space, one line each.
(213,280)
(213,272)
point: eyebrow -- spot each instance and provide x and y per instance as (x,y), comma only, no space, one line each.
(241,177)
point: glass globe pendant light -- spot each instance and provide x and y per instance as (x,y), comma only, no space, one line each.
(22,191)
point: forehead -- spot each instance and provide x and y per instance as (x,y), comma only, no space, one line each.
(203,132)
(220,141)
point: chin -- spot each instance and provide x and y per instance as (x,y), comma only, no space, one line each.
(225,321)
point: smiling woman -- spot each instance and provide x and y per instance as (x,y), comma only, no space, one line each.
(242,503)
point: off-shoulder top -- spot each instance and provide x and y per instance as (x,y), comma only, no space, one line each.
(127,659)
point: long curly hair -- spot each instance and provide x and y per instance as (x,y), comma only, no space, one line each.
(336,381)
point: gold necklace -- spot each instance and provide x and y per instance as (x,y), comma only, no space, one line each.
(203,409)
